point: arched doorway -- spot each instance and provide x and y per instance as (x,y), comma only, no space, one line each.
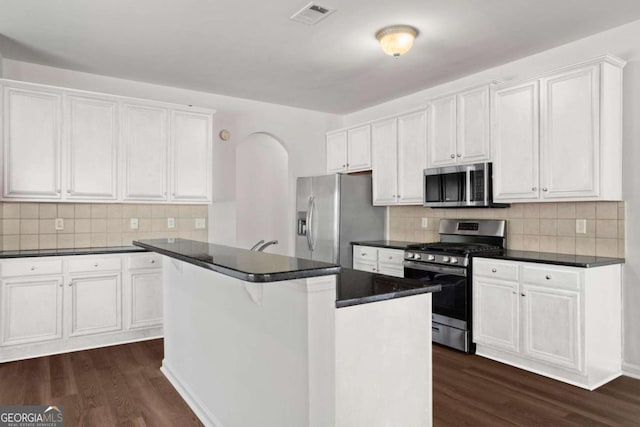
(262,169)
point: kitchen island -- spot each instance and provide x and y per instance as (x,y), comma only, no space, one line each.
(255,339)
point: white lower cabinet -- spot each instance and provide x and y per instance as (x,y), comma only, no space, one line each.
(31,310)
(58,304)
(96,304)
(561,322)
(378,260)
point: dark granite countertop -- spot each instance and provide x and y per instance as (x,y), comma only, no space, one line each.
(583,261)
(243,264)
(70,251)
(354,287)
(391,244)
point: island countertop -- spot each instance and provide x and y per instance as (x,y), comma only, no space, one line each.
(243,264)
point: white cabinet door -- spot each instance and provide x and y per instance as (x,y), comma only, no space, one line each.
(31,310)
(551,326)
(569,138)
(359,148)
(91,125)
(32,138)
(337,152)
(146,299)
(473,137)
(496,316)
(96,304)
(442,132)
(412,157)
(516,142)
(191,156)
(384,141)
(145,142)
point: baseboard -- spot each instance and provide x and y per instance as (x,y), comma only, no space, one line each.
(206,417)
(69,345)
(631,370)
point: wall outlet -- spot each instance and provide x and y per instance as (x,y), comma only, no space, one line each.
(425,222)
(59,224)
(171,223)
(581,226)
(133,224)
(200,223)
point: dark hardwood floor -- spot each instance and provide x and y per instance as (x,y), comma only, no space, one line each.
(122,386)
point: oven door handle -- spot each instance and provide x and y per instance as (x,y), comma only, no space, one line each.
(457,271)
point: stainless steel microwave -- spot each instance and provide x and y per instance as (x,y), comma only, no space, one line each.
(460,186)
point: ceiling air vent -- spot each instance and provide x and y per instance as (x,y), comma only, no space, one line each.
(312,13)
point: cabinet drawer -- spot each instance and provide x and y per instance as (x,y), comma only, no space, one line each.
(369,266)
(149,260)
(94,264)
(551,277)
(495,269)
(31,267)
(391,256)
(365,252)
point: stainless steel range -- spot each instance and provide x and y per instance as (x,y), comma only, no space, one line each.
(448,263)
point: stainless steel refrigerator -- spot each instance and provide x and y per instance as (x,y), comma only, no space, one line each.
(333,211)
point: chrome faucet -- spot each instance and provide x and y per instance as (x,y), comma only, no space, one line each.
(254,247)
(266,245)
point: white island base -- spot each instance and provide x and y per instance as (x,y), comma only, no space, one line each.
(280,354)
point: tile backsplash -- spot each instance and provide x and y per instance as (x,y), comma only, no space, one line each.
(32,225)
(543,227)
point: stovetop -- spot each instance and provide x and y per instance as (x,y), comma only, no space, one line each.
(454,248)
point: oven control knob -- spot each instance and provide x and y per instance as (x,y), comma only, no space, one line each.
(417,256)
(453,260)
(409,255)
(431,258)
(445,259)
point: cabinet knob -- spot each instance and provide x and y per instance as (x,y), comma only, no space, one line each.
(493,270)
(458,155)
(390,257)
(32,268)
(453,156)
(545,189)
(547,277)
(374,269)
(363,253)
(398,196)
(68,191)
(347,164)
(60,284)
(344,166)
(153,261)
(514,292)
(70,283)
(534,188)
(96,264)
(523,294)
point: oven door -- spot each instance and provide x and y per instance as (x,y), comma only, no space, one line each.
(450,310)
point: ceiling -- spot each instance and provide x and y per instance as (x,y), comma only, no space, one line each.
(250,48)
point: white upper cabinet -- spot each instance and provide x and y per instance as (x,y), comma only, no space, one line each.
(349,150)
(191,154)
(473,134)
(359,149)
(516,142)
(113,149)
(459,128)
(337,152)
(32,143)
(384,157)
(575,132)
(399,157)
(569,145)
(145,144)
(442,132)
(91,147)
(412,156)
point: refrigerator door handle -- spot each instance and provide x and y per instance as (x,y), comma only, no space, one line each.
(310,214)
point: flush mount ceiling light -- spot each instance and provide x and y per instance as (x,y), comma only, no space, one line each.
(396,40)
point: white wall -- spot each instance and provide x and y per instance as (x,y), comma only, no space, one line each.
(622,42)
(300,131)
